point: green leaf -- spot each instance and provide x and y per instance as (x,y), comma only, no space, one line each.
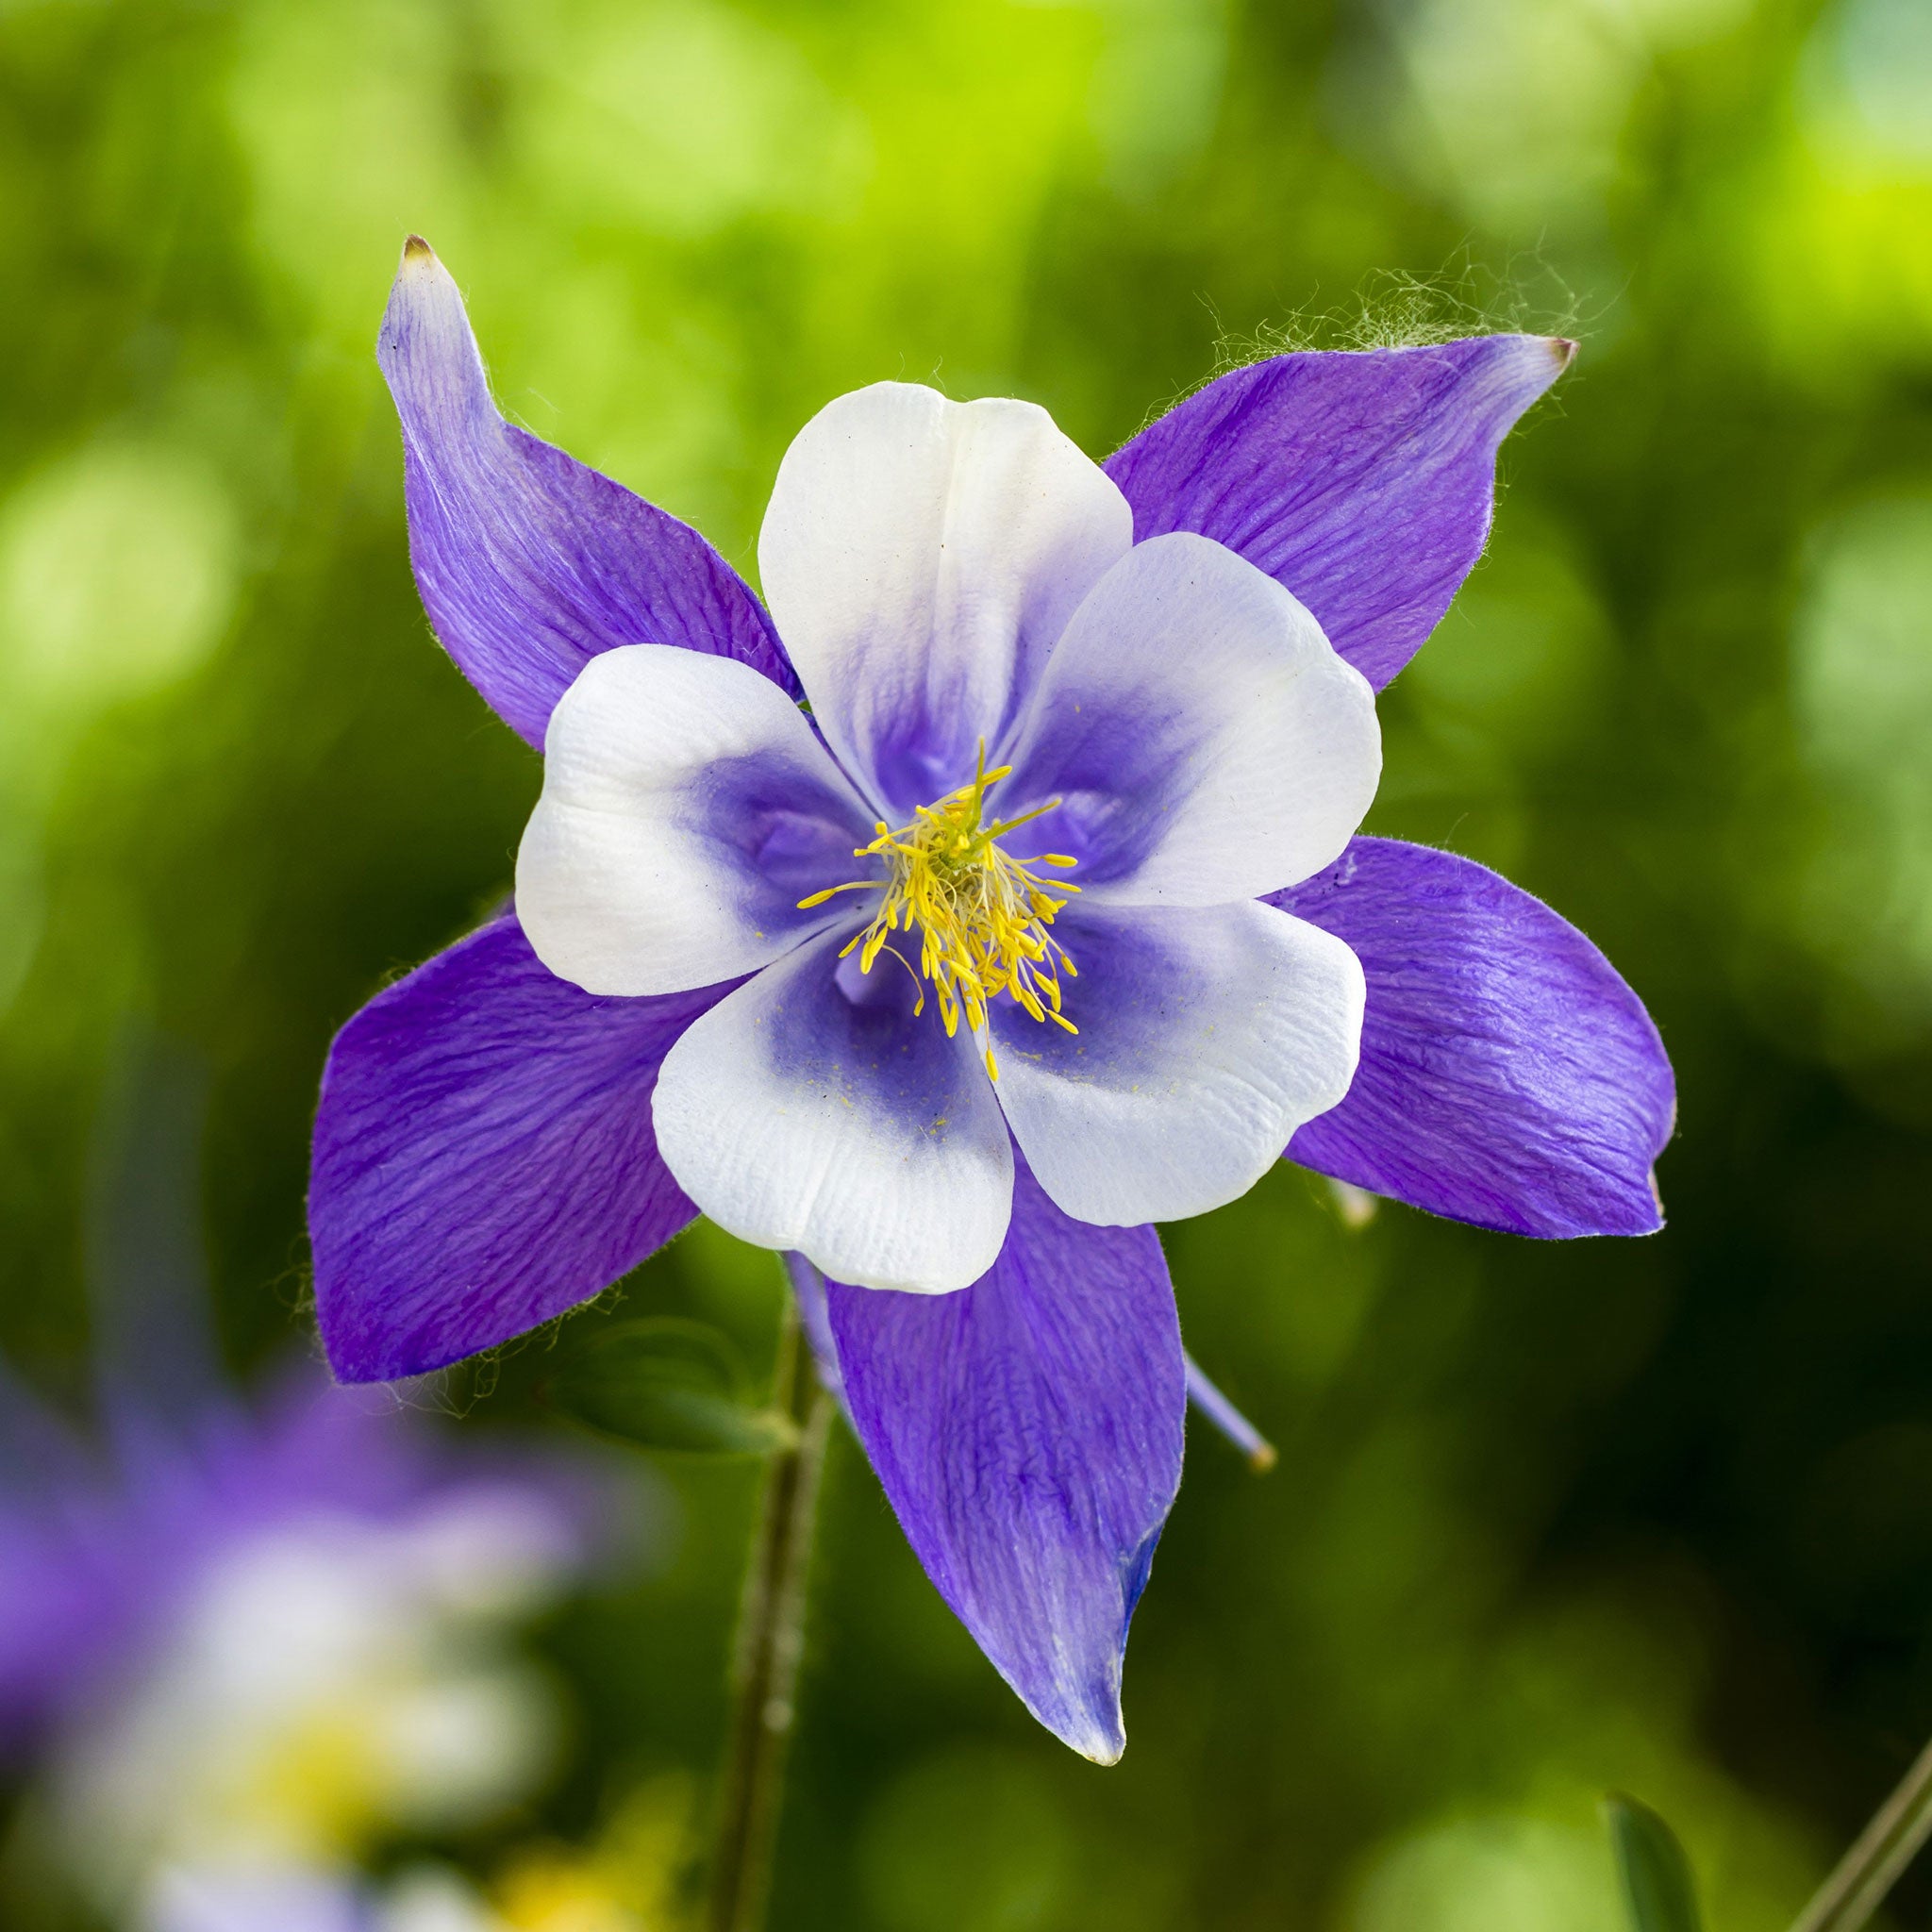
(1658,1891)
(664,1384)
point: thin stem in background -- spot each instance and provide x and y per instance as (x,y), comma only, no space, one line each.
(771,1638)
(1875,1864)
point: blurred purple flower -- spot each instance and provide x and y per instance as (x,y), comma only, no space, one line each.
(251,1638)
(306,1899)
(275,1636)
(99,1553)
(297,1900)
(1063,718)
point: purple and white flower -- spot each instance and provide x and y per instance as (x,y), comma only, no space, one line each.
(242,1647)
(1043,918)
(304,1898)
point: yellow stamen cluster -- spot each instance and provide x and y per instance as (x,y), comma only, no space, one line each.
(982,917)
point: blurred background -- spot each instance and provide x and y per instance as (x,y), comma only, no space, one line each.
(1549,1519)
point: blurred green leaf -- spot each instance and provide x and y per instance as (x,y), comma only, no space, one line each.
(1658,1890)
(664,1384)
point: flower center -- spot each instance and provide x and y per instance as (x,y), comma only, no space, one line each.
(982,917)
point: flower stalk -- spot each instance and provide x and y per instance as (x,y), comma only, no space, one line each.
(770,1639)
(1877,1860)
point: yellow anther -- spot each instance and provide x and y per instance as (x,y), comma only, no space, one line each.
(983,917)
(832,892)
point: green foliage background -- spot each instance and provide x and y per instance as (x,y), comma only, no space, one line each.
(1548,1519)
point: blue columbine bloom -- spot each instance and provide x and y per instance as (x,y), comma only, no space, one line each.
(237,1640)
(1047,921)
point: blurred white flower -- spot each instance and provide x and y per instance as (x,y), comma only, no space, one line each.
(324,1682)
(275,1898)
(568,1896)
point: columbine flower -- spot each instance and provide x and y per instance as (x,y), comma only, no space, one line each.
(314,1899)
(243,1649)
(1045,923)
(556,1896)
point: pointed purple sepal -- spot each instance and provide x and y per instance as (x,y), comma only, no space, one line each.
(1363,480)
(1509,1076)
(1028,1431)
(529,563)
(484,1156)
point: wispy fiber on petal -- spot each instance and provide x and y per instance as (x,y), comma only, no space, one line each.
(1361,479)
(1028,1432)
(528,562)
(1509,1076)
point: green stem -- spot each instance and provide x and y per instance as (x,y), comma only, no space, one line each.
(770,1637)
(1875,1864)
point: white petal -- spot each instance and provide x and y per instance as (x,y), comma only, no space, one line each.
(1207,1036)
(1205,741)
(686,810)
(799,1114)
(921,557)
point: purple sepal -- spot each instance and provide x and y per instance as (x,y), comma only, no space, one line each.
(1509,1076)
(1028,1431)
(529,563)
(484,1157)
(1362,480)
